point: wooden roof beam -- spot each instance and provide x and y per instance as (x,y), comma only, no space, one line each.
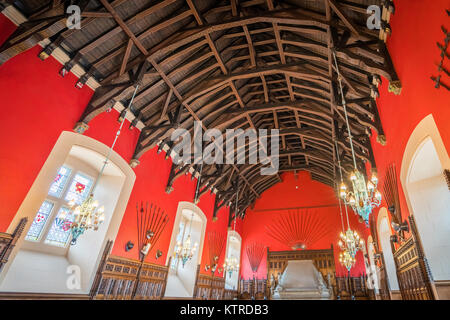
(347,21)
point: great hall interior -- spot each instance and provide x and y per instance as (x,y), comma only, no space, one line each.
(105,196)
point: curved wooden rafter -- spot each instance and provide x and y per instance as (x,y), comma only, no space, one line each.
(250,64)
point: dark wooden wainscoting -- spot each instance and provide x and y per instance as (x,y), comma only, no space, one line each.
(120,278)
(126,279)
(42,296)
(8,242)
(253,289)
(209,287)
(348,288)
(117,278)
(413,273)
(384,284)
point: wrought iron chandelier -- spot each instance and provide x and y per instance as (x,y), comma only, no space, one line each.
(184,251)
(88,215)
(350,242)
(363,197)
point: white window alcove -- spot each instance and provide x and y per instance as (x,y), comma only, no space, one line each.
(427,194)
(181,279)
(367,265)
(384,235)
(373,270)
(43,260)
(233,250)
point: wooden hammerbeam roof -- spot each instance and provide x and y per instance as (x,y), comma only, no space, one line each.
(259,64)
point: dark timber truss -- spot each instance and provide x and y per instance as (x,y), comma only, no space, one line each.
(259,64)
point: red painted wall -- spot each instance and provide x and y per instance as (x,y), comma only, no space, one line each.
(310,193)
(7,27)
(151,178)
(104,127)
(38,105)
(416,28)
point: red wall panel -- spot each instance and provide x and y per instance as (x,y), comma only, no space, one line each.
(37,105)
(151,178)
(310,193)
(416,28)
(7,27)
(104,127)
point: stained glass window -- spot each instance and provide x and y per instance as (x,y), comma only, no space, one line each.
(39,221)
(60,181)
(79,188)
(60,230)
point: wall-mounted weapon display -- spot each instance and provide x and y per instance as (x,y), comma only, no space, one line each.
(298,230)
(390,189)
(216,243)
(151,222)
(443,71)
(255,253)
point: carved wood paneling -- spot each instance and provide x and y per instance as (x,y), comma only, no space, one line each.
(230,294)
(98,275)
(348,287)
(42,296)
(209,287)
(447,177)
(8,242)
(126,279)
(253,289)
(384,282)
(413,273)
(390,189)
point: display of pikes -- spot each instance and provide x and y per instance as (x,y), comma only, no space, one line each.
(255,253)
(151,222)
(444,54)
(447,177)
(216,243)
(298,230)
(390,188)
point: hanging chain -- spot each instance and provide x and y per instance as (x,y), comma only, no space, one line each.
(197,188)
(340,211)
(344,104)
(114,142)
(339,198)
(190,224)
(237,201)
(342,182)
